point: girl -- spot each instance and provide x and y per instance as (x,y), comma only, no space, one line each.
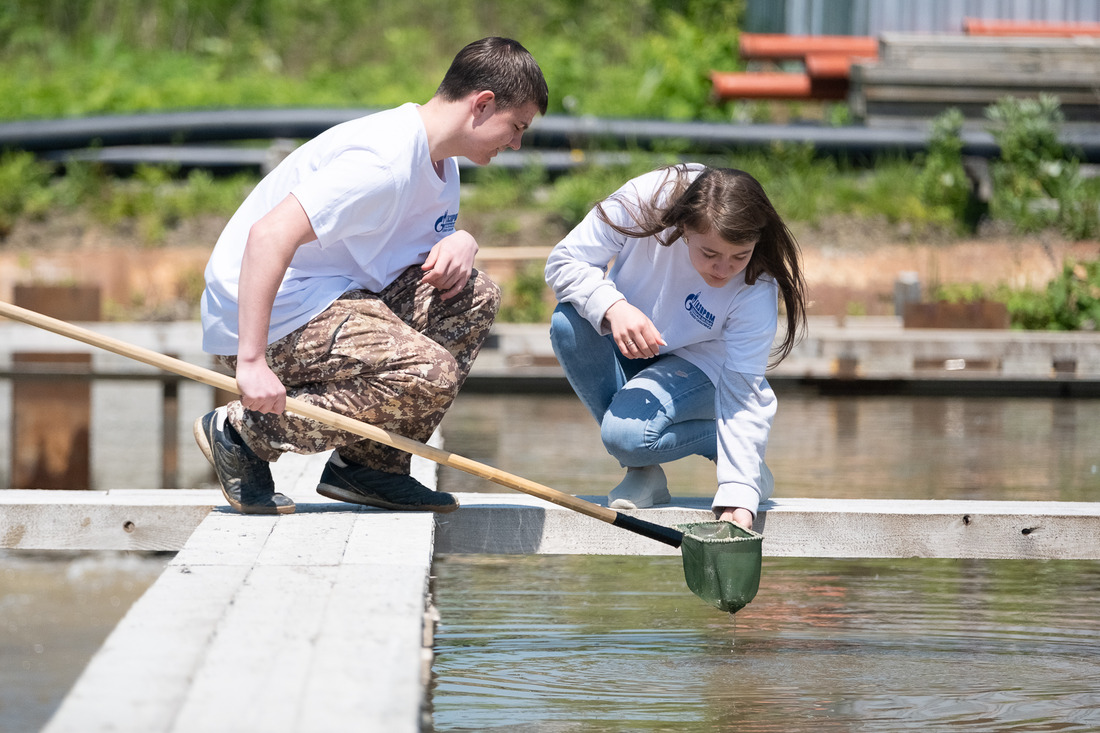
(668,348)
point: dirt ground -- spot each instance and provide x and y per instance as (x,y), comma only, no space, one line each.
(850,266)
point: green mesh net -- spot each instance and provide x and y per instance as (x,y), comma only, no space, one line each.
(722,563)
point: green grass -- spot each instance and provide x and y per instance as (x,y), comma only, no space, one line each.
(154,199)
(647,58)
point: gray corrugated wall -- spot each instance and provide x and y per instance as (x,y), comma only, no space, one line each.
(872,17)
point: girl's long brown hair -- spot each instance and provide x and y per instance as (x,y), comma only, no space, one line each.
(734,204)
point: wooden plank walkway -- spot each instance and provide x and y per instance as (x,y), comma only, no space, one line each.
(300,623)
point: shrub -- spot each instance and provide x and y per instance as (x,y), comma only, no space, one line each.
(942,183)
(524,297)
(24,188)
(1074,297)
(1036,183)
(1070,302)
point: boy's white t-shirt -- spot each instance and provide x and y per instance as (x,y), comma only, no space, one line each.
(376,204)
(727,332)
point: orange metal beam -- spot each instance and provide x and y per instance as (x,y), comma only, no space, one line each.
(828,65)
(983,27)
(760,85)
(778,46)
(727,85)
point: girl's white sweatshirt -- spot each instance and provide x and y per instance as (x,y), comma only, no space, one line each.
(727,332)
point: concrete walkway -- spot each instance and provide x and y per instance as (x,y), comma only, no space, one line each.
(512,523)
(865,528)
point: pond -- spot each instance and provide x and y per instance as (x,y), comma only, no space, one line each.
(56,609)
(595,643)
(565,643)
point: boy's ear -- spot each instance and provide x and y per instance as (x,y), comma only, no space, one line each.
(483,104)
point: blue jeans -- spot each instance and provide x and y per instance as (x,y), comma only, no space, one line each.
(650,411)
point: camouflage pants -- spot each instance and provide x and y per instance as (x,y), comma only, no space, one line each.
(394,359)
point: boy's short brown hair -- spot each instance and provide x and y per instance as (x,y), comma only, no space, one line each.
(499,65)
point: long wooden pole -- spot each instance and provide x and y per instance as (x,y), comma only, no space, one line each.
(342,422)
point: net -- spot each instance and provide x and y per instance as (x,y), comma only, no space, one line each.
(722,563)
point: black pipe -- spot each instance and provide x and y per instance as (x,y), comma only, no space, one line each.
(163,128)
(559,132)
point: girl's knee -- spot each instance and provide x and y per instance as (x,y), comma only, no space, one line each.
(560,330)
(564,323)
(625,440)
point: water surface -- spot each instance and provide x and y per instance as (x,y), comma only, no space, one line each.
(822,447)
(609,643)
(56,609)
(558,643)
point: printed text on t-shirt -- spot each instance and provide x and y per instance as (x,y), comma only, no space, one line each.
(446,223)
(697,311)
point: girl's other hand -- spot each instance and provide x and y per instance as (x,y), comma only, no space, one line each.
(634,333)
(737,515)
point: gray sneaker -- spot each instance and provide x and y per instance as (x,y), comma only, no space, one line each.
(245,478)
(641,488)
(346,481)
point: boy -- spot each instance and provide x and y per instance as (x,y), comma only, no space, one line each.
(343,280)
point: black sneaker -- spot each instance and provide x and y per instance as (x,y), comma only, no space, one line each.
(351,482)
(245,478)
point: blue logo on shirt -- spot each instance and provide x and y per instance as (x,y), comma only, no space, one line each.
(697,311)
(446,223)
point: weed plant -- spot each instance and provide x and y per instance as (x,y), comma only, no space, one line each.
(942,183)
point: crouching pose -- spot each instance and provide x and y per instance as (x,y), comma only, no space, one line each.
(668,348)
(342,281)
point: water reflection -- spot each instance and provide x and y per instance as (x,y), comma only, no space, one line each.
(830,447)
(56,608)
(578,643)
(606,643)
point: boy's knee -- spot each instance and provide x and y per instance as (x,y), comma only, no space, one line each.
(425,372)
(486,296)
(442,371)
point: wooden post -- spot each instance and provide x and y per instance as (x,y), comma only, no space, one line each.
(169,434)
(52,416)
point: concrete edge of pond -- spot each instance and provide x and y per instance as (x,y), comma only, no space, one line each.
(506,523)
